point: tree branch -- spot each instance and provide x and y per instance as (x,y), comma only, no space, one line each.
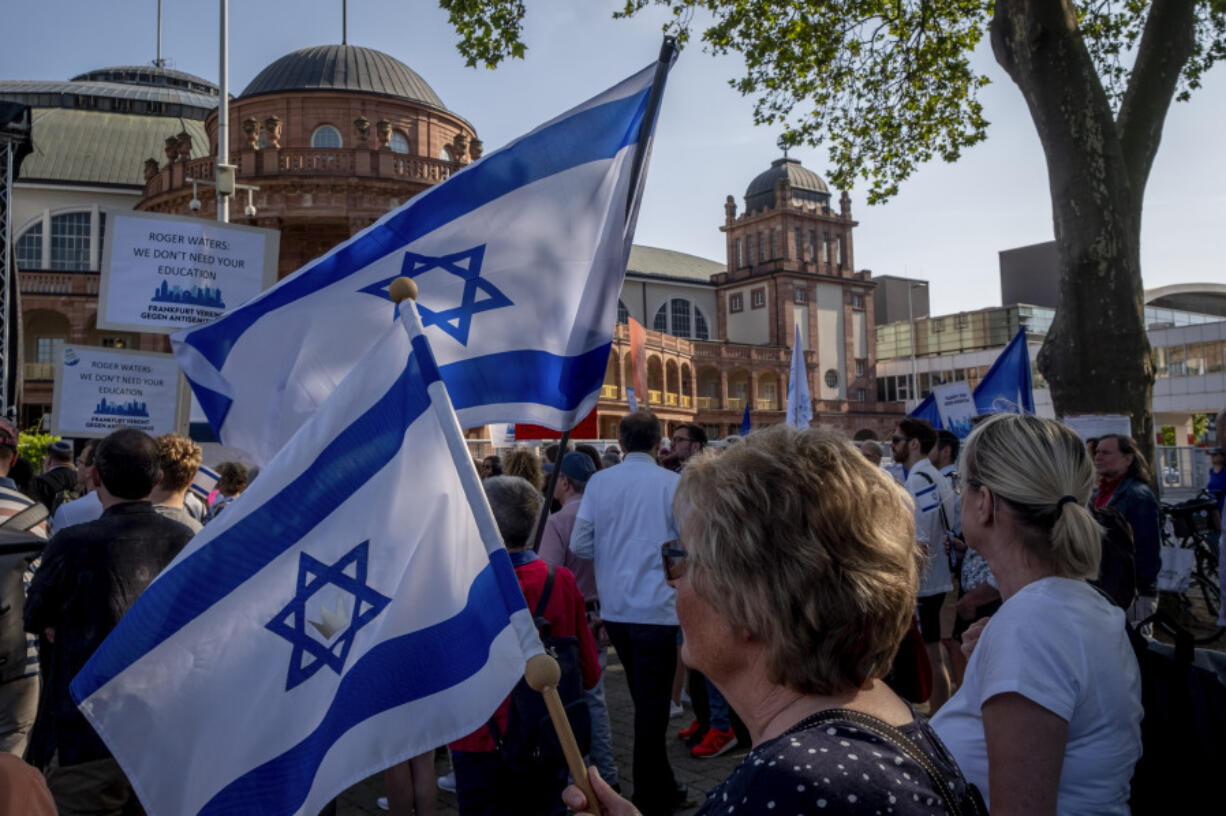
(1166,45)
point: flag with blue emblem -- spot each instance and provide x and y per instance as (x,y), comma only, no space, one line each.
(519,259)
(349,610)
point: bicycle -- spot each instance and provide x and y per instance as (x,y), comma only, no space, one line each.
(1196,525)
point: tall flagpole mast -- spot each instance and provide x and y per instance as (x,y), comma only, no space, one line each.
(224,172)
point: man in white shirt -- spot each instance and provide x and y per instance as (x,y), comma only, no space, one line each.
(913,440)
(625,516)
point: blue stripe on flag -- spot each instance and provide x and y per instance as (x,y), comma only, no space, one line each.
(590,135)
(928,489)
(454,650)
(215,570)
(526,376)
(504,377)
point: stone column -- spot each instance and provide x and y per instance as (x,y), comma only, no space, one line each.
(723,388)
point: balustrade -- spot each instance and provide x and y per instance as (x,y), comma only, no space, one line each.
(686,401)
(59,283)
(608,392)
(708,403)
(736,403)
(670,399)
(654,396)
(39,371)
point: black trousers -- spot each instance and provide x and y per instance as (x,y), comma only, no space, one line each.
(648,653)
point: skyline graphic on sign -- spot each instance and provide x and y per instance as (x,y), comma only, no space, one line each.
(196,296)
(130,408)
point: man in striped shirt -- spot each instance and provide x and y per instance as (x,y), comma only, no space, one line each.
(18,651)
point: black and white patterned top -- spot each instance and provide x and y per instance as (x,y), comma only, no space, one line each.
(835,767)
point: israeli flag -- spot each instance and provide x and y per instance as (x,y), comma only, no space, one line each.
(340,616)
(1006,388)
(800,406)
(519,259)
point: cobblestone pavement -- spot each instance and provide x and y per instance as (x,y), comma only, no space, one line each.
(699,775)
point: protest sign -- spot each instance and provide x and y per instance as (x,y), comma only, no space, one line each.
(161,273)
(956,406)
(100,389)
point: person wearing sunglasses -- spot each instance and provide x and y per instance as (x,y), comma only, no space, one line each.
(1048,719)
(796,575)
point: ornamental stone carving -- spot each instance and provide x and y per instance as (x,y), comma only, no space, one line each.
(171,148)
(151,168)
(272,126)
(384,130)
(459,147)
(251,128)
(475,148)
(362,124)
(184,146)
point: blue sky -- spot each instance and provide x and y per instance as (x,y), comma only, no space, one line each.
(947,225)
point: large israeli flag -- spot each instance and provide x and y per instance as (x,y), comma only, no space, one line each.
(340,616)
(519,259)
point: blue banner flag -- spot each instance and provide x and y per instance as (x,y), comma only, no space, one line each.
(746,427)
(519,259)
(800,405)
(1006,388)
(343,614)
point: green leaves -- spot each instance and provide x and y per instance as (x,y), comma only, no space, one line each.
(886,85)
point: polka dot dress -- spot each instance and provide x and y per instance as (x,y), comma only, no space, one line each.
(834,767)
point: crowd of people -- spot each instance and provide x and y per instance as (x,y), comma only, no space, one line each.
(776,576)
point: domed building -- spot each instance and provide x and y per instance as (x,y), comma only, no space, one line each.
(720,335)
(334,136)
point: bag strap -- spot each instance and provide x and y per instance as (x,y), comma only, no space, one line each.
(904,744)
(546,591)
(26,518)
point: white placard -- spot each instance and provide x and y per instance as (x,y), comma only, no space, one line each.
(956,406)
(1092,426)
(100,389)
(162,273)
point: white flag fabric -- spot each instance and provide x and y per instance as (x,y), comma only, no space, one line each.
(800,406)
(519,259)
(340,616)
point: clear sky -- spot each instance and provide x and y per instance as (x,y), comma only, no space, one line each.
(947,225)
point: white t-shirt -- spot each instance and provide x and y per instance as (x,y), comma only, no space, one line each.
(1061,644)
(928,489)
(77,511)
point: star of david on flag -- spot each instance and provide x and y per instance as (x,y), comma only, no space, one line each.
(422,626)
(291,622)
(466,266)
(519,259)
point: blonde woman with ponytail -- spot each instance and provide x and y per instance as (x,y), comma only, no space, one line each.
(1048,718)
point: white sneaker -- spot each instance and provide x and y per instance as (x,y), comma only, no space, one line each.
(675,710)
(382,803)
(447,782)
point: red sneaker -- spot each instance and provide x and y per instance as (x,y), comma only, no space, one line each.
(714,743)
(687,733)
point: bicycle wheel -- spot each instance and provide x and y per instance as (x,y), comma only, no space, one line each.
(1203,599)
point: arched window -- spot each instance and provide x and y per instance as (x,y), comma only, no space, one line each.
(623,314)
(327,137)
(262,141)
(399,142)
(445,153)
(681,318)
(70,242)
(30,248)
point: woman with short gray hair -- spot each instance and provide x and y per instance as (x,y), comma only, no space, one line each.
(796,576)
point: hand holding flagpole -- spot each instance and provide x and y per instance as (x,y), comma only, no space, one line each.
(542,671)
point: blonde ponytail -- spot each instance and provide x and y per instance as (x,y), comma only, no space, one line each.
(1039,467)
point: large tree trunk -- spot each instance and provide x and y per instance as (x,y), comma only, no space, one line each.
(1096,358)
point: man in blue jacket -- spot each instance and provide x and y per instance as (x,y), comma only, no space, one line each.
(1124,484)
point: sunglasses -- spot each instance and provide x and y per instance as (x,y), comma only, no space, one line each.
(674,560)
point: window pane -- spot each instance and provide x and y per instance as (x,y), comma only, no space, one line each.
(70,242)
(700,325)
(49,348)
(660,324)
(30,248)
(623,314)
(1213,357)
(1196,359)
(681,317)
(399,143)
(326,137)
(1176,361)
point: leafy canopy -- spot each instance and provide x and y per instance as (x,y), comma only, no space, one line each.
(886,84)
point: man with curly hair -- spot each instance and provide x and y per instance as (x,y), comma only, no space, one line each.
(179,458)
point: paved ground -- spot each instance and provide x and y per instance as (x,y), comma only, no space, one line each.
(700,775)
